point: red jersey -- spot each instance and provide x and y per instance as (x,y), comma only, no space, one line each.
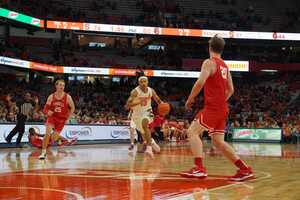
(157,122)
(215,87)
(60,107)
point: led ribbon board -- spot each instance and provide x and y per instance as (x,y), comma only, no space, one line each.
(145,30)
(241,66)
(21,18)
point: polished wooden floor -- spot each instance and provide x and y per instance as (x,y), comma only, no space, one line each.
(95,172)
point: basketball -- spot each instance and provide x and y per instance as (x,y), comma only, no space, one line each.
(164,109)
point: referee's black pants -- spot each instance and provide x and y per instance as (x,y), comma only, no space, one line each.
(19,128)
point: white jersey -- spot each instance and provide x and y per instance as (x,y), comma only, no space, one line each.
(145,107)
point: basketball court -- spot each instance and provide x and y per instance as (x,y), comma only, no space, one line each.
(88,72)
(109,172)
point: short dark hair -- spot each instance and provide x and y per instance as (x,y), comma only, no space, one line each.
(217,44)
(31,130)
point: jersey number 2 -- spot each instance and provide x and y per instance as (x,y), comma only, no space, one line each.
(223,72)
(143,101)
(57,109)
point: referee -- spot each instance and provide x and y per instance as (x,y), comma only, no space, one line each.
(26,107)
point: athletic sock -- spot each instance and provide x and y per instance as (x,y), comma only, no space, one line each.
(198,162)
(240,164)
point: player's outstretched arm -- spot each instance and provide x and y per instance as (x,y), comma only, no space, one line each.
(71,105)
(47,111)
(206,70)
(131,100)
(156,97)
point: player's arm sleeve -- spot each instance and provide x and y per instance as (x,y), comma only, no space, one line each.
(156,97)
(230,89)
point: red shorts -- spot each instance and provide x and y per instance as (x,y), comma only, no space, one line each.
(157,122)
(214,121)
(58,124)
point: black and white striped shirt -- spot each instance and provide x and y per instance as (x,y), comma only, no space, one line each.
(26,108)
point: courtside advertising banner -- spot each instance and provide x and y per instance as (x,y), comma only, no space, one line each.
(81,132)
(245,134)
(96,132)
(256,149)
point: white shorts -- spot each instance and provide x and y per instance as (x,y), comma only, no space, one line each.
(138,122)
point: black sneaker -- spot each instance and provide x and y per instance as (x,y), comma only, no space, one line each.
(19,146)
(7,140)
(42,156)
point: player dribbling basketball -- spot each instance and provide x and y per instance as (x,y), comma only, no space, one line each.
(142,114)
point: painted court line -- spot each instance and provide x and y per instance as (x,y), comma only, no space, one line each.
(190,196)
(78,196)
(120,175)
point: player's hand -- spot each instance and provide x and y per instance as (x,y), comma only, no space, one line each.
(189,103)
(69,116)
(127,107)
(8,98)
(50,113)
(36,100)
(67,121)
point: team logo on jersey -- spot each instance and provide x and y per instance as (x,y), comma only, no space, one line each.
(144,100)
(58,103)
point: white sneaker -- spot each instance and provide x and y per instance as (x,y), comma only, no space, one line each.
(131,148)
(155,146)
(149,152)
(42,156)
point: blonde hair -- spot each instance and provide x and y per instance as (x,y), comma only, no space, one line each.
(59,80)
